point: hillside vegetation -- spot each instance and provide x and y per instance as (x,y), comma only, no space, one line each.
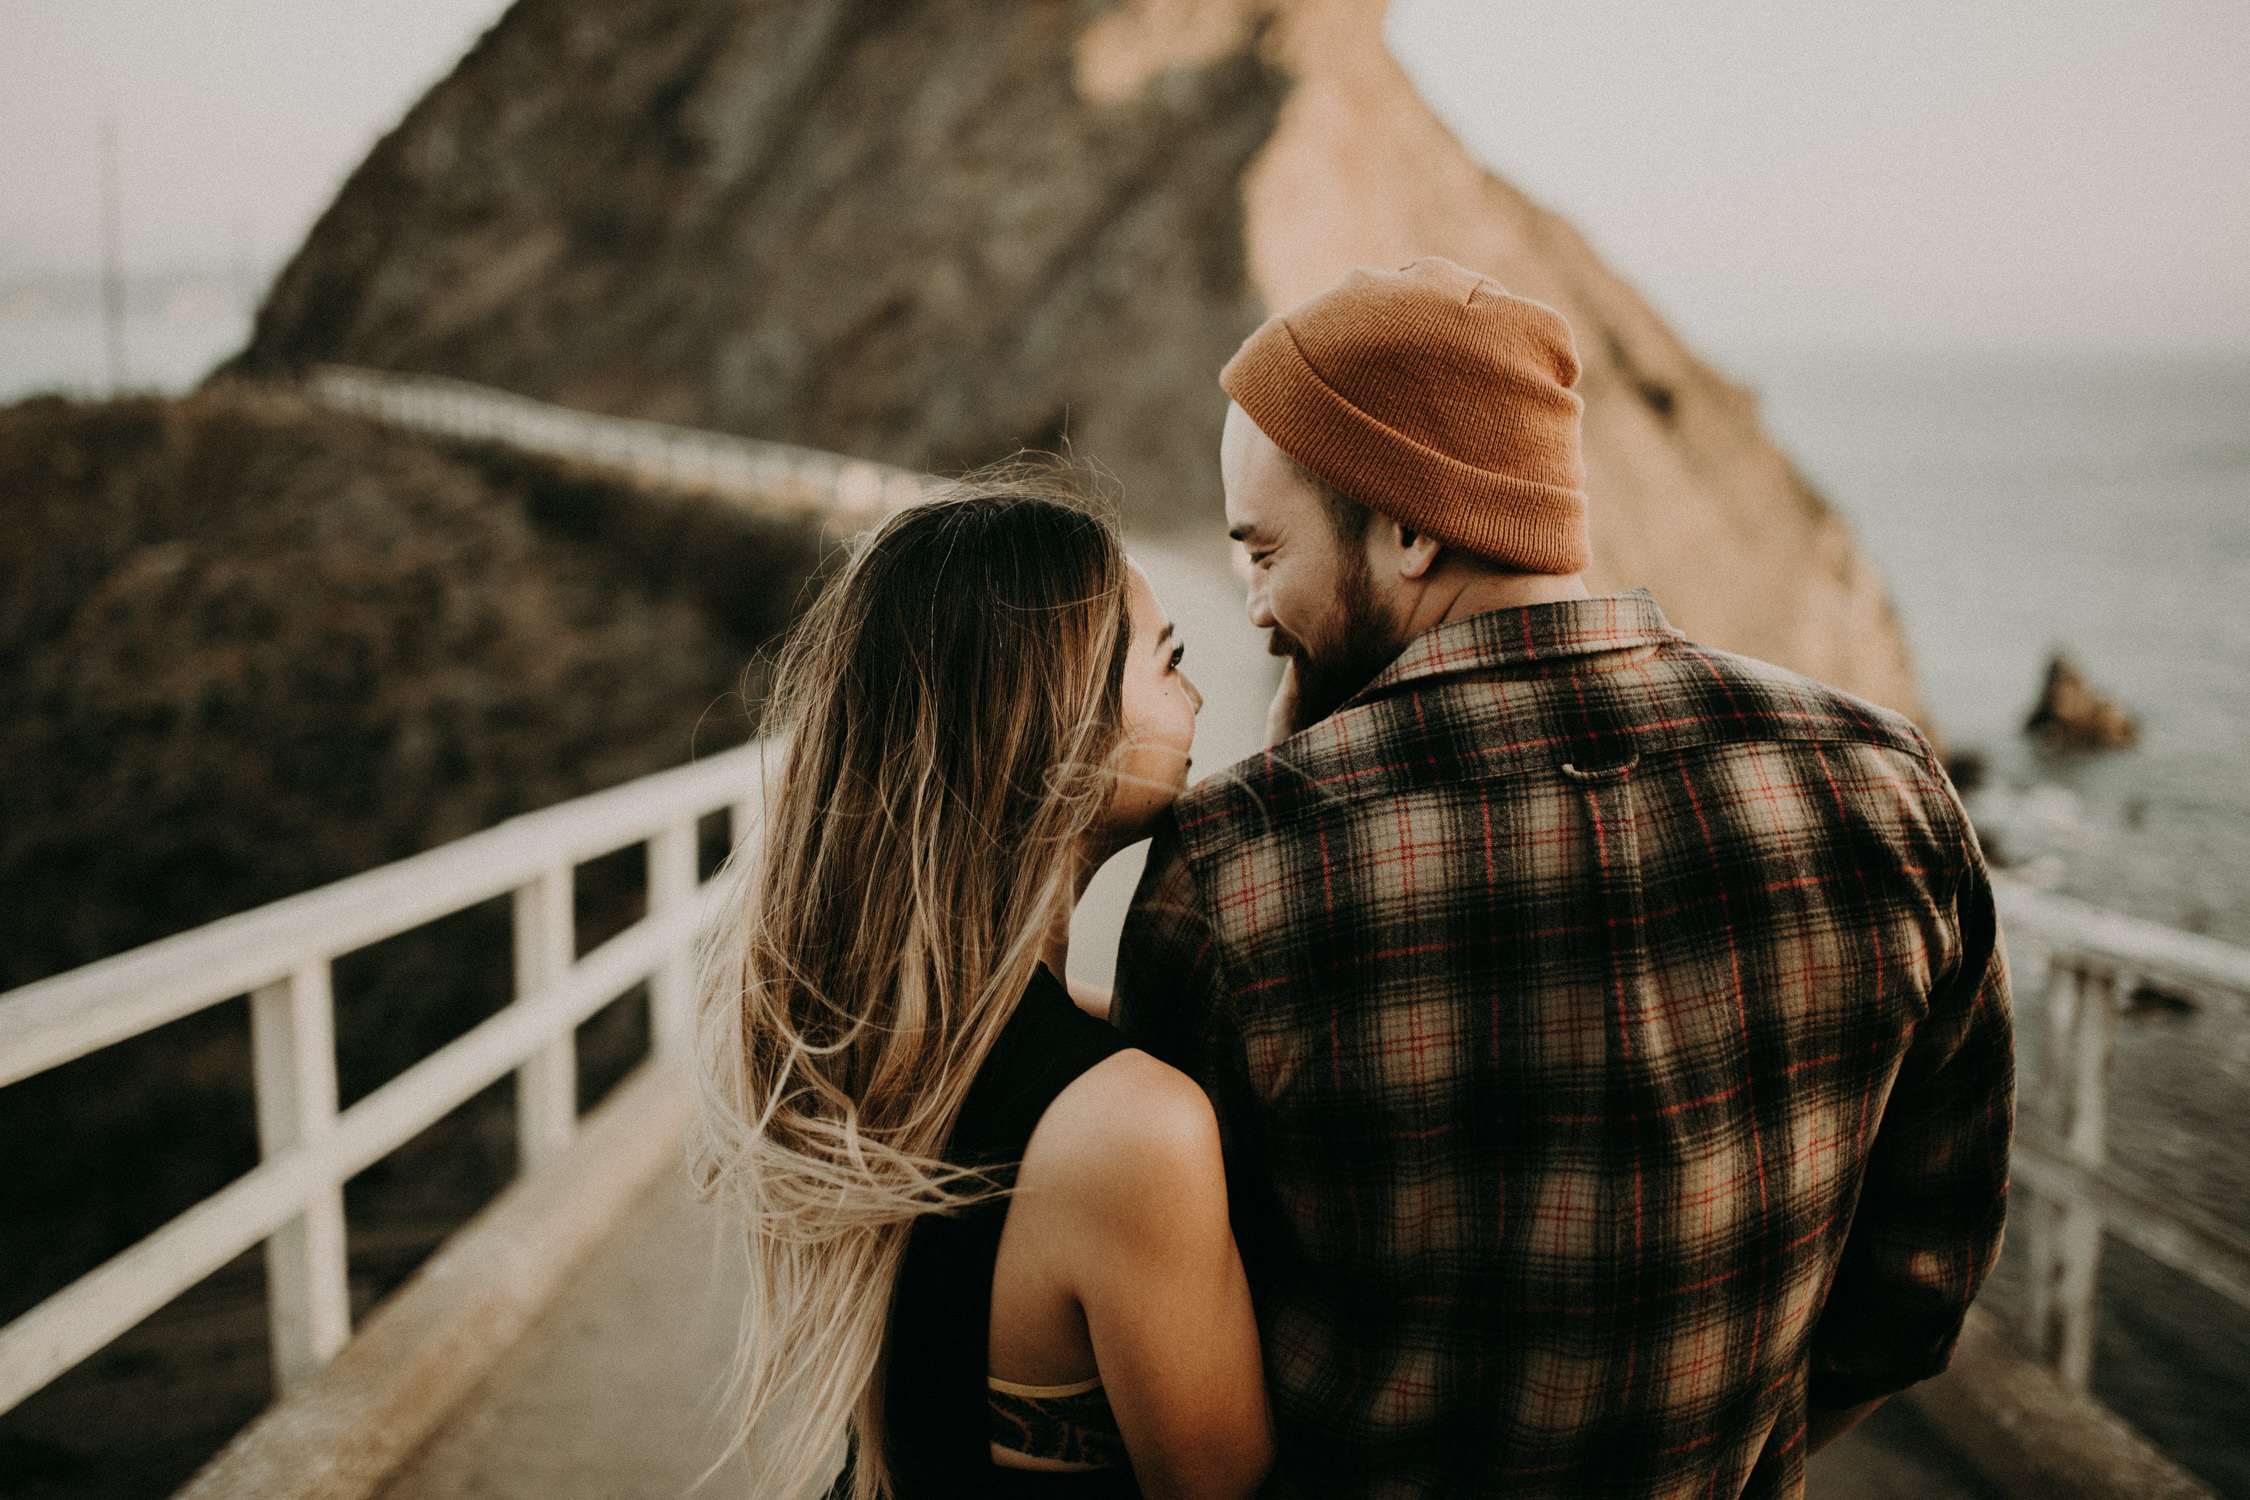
(249,646)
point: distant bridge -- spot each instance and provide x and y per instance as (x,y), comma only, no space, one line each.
(356,1406)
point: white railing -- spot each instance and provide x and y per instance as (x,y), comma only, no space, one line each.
(852,492)
(280,955)
(2094,962)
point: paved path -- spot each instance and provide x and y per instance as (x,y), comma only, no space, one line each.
(617,1393)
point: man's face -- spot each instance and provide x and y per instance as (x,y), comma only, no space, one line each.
(1313,590)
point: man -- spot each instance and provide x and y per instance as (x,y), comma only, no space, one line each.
(1610,1036)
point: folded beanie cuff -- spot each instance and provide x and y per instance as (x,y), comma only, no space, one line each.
(1486,462)
(1524,523)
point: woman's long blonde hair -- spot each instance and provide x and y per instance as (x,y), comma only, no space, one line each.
(950,703)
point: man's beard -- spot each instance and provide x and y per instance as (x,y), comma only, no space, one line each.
(1330,673)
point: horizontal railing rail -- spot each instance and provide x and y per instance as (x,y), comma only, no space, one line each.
(850,492)
(280,955)
(2087,963)
(49,1022)
(2183,962)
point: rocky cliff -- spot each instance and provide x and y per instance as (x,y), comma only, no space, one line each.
(928,232)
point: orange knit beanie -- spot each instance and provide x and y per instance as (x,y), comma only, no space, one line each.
(1432,395)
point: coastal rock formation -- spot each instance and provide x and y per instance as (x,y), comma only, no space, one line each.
(928,232)
(2071,716)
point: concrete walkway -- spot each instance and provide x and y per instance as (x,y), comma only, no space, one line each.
(617,1393)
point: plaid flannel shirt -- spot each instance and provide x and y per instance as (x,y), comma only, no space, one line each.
(1611,1040)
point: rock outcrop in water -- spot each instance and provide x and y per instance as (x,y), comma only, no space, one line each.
(2070,715)
(928,232)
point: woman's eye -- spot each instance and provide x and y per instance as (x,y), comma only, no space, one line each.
(1179,653)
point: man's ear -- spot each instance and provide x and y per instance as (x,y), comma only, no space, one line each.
(1417,550)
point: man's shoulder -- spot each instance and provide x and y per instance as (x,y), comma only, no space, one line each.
(1471,727)
(1333,763)
(1741,698)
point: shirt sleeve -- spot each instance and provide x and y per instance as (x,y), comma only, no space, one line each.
(1167,967)
(1934,1196)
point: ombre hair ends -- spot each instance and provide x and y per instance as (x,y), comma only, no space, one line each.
(946,712)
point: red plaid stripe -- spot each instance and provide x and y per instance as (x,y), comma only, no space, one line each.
(1612,1043)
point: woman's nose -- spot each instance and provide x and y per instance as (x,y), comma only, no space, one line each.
(1195,694)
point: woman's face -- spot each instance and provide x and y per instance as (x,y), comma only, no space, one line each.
(1160,705)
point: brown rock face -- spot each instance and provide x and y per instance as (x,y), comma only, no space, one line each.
(929,231)
(890,228)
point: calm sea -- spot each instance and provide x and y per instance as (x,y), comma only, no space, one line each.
(2020,506)
(2101,508)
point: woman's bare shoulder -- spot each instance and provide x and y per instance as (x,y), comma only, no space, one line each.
(1127,1133)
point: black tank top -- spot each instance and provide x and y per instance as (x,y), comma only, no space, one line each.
(937,1423)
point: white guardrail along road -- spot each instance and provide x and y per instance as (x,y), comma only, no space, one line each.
(280,955)
(2086,963)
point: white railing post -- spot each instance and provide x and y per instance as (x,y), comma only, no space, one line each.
(547,1083)
(293,1052)
(2038,1220)
(292,1203)
(2065,1235)
(671,989)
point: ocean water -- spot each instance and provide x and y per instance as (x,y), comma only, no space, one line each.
(2101,508)
(2098,507)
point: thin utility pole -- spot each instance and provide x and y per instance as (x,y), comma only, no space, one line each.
(113,270)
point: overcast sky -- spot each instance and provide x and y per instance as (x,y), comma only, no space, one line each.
(2047,173)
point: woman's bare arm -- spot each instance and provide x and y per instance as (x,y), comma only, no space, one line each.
(1131,1151)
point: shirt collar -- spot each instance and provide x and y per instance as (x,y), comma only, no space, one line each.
(1537,636)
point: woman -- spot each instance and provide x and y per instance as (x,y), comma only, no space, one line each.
(982,708)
